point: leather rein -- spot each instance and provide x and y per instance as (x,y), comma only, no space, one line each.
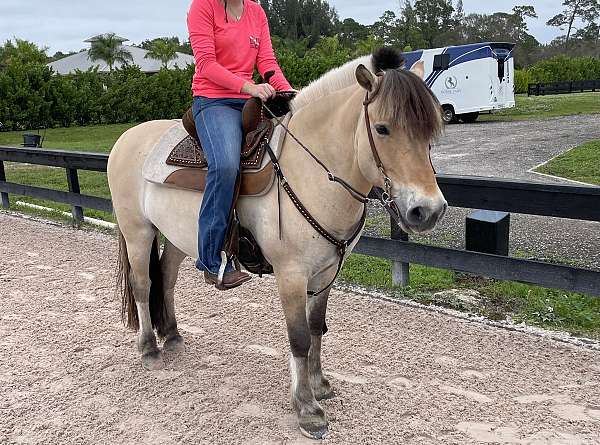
(385,195)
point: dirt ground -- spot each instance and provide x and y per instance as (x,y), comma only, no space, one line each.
(69,373)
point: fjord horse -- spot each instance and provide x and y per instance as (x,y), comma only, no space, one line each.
(329,117)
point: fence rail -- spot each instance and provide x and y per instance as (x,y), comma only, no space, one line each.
(573,86)
(564,201)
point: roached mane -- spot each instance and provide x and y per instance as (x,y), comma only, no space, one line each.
(401,97)
(345,76)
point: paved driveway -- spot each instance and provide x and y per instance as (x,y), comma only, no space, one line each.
(510,150)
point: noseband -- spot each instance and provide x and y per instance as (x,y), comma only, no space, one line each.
(384,195)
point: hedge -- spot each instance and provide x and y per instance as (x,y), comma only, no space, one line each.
(31,96)
(558,69)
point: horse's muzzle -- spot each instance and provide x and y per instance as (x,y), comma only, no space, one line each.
(421,215)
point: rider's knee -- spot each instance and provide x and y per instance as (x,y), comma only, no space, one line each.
(228,171)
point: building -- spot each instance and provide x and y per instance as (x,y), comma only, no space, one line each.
(82,62)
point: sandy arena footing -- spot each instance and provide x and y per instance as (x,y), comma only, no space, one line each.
(69,372)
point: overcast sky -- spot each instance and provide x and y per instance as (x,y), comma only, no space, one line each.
(62,25)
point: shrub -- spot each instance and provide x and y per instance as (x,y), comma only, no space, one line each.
(564,68)
(522,80)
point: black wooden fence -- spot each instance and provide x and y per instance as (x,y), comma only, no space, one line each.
(564,201)
(573,86)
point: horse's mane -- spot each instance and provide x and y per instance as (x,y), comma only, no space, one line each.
(401,96)
(345,75)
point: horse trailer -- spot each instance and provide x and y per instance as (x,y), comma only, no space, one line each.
(469,79)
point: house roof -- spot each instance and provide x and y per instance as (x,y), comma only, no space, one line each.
(82,62)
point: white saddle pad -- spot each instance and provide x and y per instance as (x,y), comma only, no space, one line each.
(156,170)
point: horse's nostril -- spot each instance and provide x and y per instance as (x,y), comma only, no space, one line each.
(417,214)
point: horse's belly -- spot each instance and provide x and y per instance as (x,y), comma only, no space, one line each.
(175,213)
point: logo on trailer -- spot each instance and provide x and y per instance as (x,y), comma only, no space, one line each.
(451,82)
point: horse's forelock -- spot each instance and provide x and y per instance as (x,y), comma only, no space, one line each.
(403,99)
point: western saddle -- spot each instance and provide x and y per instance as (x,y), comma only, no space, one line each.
(257,130)
(256,175)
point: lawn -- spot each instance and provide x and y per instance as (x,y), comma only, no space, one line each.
(582,164)
(539,107)
(98,138)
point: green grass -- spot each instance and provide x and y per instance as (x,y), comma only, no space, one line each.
(538,107)
(575,313)
(580,164)
(99,138)
(91,183)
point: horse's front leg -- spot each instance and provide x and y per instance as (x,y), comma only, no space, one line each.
(292,291)
(316,310)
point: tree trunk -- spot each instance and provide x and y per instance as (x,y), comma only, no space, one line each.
(571,25)
(598,41)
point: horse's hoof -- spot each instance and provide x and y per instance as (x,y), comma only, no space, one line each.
(153,361)
(174,344)
(313,427)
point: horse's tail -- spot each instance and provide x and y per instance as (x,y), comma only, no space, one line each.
(129,313)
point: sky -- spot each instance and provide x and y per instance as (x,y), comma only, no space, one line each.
(62,25)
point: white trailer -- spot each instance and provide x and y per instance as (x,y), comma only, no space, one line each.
(469,79)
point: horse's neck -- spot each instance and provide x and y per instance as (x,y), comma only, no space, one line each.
(327,127)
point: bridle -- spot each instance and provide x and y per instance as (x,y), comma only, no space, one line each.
(384,196)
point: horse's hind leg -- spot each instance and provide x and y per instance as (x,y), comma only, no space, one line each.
(316,310)
(311,417)
(170,261)
(139,259)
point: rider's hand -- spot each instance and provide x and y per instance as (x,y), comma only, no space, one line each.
(263,91)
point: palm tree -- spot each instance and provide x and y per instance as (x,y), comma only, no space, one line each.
(163,50)
(109,48)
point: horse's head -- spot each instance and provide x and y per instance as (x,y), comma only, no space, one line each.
(404,118)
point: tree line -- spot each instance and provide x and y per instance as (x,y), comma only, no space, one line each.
(309,40)
(423,24)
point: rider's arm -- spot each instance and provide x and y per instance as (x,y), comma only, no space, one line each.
(202,38)
(266,60)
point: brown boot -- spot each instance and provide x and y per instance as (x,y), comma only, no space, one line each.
(231,279)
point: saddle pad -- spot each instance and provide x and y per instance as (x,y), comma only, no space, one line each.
(254,182)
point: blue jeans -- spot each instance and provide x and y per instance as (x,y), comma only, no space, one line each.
(219,126)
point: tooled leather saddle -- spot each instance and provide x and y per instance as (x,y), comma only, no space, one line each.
(257,128)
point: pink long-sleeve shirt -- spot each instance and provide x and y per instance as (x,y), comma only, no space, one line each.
(227,52)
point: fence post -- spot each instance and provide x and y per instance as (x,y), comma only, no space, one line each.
(400,271)
(73,181)
(5,200)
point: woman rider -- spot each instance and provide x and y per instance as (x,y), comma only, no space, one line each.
(229,38)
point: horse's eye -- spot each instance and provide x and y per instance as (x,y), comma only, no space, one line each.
(382,130)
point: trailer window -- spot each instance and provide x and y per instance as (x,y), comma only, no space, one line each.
(441,62)
(500,69)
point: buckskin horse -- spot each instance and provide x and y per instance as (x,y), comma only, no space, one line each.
(366,127)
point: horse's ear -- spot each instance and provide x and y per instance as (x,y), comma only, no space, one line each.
(365,78)
(419,69)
